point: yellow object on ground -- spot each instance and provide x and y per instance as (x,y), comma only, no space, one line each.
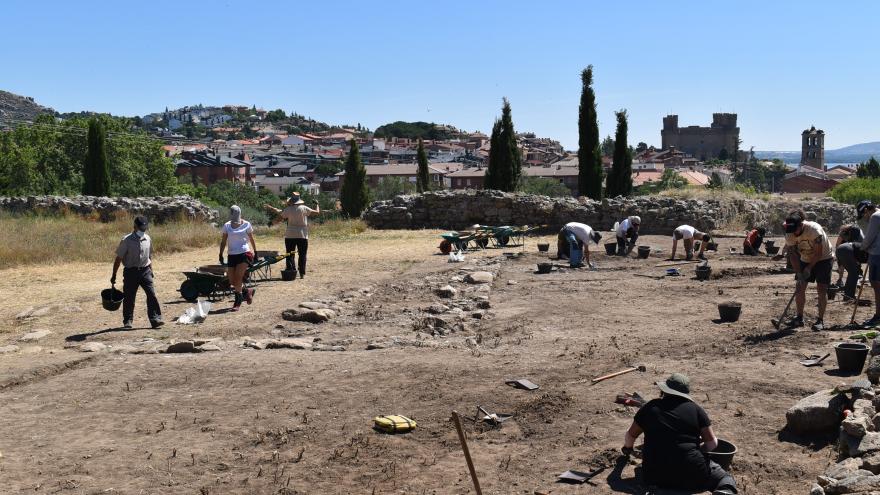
(394,423)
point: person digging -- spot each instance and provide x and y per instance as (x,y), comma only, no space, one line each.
(135,253)
(810,254)
(752,242)
(850,256)
(627,234)
(573,239)
(871,244)
(687,234)
(296,236)
(678,436)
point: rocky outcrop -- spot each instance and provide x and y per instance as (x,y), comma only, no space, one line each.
(461,209)
(157,209)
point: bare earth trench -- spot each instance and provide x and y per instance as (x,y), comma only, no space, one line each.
(245,421)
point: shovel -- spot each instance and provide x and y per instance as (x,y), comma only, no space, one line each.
(813,360)
(778,321)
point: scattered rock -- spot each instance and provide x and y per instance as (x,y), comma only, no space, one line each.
(477,315)
(860,482)
(34,335)
(818,413)
(25,313)
(511,282)
(299,344)
(873,370)
(816,490)
(447,291)
(871,462)
(92,347)
(857,447)
(875,347)
(479,278)
(181,347)
(312,305)
(123,349)
(437,309)
(855,425)
(209,348)
(844,468)
(484,304)
(372,346)
(308,315)
(8,349)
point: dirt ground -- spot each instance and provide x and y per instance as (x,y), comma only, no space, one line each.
(284,421)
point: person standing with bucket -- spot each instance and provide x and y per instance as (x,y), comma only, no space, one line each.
(135,253)
(573,243)
(296,237)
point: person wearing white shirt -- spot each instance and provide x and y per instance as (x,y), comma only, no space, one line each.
(573,238)
(627,235)
(687,234)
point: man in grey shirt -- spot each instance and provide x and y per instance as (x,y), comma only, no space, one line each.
(871,244)
(135,253)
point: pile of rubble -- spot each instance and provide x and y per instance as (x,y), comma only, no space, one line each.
(460,209)
(854,410)
(157,209)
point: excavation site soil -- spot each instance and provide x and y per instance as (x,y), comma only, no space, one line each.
(281,407)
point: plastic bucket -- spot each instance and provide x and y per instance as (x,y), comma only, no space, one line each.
(832,293)
(111,299)
(711,246)
(543,247)
(769,243)
(729,311)
(644,251)
(723,453)
(703,272)
(545,267)
(288,275)
(610,248)
(771,249)
(851,356)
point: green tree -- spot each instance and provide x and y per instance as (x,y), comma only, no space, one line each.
(326,169)
(354,194)
(96,172)
(853,190)
(389,187)
(714,181)
(505,161)
(869,169)
(619,181)
(607,146)
(423,178)
(589,153)
(544,187)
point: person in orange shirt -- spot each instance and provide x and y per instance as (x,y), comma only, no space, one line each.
(752,242)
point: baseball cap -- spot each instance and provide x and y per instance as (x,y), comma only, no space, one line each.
(862,206)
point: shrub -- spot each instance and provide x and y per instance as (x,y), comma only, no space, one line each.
(856,189)
(544,187)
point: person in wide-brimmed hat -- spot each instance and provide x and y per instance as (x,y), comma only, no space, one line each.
(678,436)
(296,236)
(627,234)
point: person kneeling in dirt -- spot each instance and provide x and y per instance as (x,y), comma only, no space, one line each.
(135,253)
(574,238)
(850,256)
(811,256)
(752,242)
(687,234)
(627,234)
(678,436)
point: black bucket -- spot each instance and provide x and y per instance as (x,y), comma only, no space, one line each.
(729,311)
(723,454)
(832,293)
(111,299)
(703,272)
(610,248)
(545,267)
(644,252)
(543,247)
(771,249)
(711,246)
(851,356)
(696,246)
(288,275)
(769,243)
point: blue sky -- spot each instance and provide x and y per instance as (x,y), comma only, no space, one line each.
(781,65)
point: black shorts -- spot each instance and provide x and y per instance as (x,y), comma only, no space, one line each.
(237,259)
(821,273)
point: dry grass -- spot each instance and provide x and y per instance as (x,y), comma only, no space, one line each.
(717,194)
(35,239)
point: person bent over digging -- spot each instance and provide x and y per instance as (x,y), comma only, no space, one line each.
(135,253)
(627,235)
(678,437)
(850,256)
(752,242)
(687,234)
(871,244)
(575,237)
(239,235)
(811,256)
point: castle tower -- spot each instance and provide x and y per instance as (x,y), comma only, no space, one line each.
(813,148)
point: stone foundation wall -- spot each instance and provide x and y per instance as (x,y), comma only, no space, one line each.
(157,209)
(461,209)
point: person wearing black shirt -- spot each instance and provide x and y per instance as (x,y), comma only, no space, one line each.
(675,427)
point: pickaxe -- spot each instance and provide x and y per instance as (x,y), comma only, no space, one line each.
(640,367)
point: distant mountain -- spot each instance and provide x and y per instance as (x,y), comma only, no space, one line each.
(849,154)
(14,108)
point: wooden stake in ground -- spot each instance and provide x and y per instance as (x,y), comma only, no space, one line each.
(467,453)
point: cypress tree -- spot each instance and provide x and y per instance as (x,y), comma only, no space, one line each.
(423,178)
(96,171)
(354,194)
(620,179)
(589,152)
(505,161)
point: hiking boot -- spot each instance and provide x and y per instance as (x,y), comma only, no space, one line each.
(237,305)
(796,322)
(818,326)
(873,322)
(157,323)
(689,257)
(723,491)
(127,325)
(249,295)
